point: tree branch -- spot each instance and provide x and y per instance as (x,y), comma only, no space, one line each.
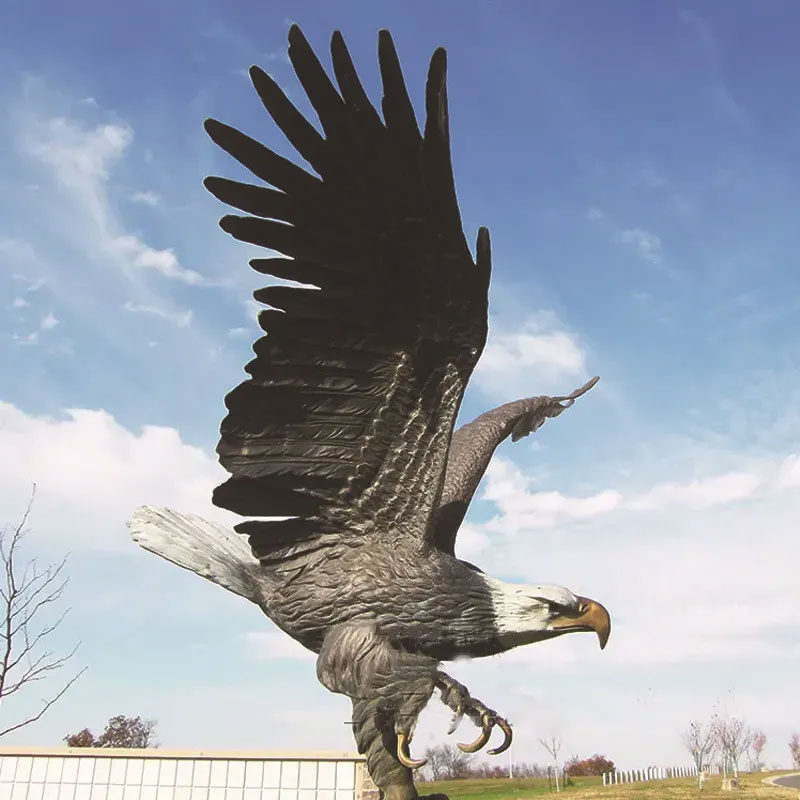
(23,660)
(46,706)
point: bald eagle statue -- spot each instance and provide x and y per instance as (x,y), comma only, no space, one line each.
(341,440)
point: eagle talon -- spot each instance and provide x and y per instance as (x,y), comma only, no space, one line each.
(403,754)
(486,722)
(509,735)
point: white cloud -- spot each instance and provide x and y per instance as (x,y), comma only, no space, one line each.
(180,318)
(519,507)
(32,284)
(538,357)
(28,338)
(253,308)
(141,256)
(472,541)
(147,198)
(594,214)
(705,493)
(276,645)
(91,473)
(788,475)
(278,54)
(694,572)
(82,160)
(48,322)
(19,302)
(236,333)
(646,244)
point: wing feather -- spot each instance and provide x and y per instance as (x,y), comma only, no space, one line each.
(302,135)
(345,421)
(472,447)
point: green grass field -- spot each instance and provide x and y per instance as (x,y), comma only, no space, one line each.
(500,788)
(752,786)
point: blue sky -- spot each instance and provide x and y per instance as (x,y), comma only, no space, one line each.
(640,177)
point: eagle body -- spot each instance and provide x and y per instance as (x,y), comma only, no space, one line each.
(430,603)
(341,444)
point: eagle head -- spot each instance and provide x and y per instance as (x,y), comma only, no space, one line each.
(526,613)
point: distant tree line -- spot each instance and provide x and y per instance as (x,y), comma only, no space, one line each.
(446,762)
(581,767)
(120,731)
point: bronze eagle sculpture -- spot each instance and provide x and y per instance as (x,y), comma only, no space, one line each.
(344,429)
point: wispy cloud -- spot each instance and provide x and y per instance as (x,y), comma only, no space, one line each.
(520,506)
(542,353)
(181,319)
(717,87)
(706,493)
(594,214)
(48,322)
(642,242)
(141,256)
(148,198)
(82,159)
(645,244)
(238,333)
(279,54)
(276,645)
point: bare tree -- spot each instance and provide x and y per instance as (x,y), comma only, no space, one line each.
(552,744)
(734,738)
(794,749)
(27,592)
(757,744)
(434,769)
(701,741)
(446,762)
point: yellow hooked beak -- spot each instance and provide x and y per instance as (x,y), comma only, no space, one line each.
(591,616)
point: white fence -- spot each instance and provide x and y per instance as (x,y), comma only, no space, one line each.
(647,774)
(99,774)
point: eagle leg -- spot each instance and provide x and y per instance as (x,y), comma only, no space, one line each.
(388,686)
(383,722)
(457,697)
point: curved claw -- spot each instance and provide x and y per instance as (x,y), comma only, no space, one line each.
(403,754)
(456,721)
(481,741)
(509,734)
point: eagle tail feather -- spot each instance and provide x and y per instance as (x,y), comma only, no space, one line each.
(210,550)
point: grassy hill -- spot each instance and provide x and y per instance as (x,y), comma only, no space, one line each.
(593,789)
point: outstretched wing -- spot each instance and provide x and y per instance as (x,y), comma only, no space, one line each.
(345,422)
(472,447)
